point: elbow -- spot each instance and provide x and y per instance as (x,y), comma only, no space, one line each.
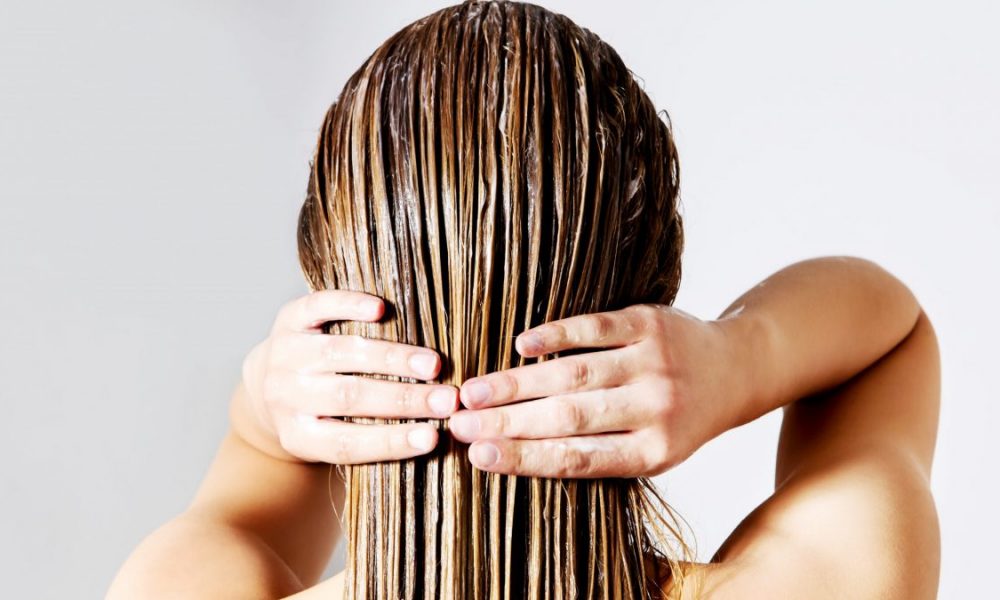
(892,300)
(203,560)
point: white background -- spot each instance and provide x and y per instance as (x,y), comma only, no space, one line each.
(153,157)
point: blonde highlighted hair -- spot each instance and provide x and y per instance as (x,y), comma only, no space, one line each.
(491,167)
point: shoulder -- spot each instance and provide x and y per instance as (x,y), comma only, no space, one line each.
(852,514)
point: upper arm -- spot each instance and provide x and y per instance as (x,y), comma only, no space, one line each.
(852,513)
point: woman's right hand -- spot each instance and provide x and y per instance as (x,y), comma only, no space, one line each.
(294,387)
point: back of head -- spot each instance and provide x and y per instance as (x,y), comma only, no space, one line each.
(491,167)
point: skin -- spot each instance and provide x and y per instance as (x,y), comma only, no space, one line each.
(839,344)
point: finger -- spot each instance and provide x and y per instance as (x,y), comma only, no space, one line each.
(329,353)
(577,373)
(358,396)
(594,330)
(583,457)
(310,311)
(317,439)
(583,413)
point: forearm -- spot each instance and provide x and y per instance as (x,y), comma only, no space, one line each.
(256,523)
(814,325)
(287,503)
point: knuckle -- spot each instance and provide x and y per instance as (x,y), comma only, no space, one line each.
(509,384)
(617,369)
(555,333)
(570,416)
(656,324)
(648,318)
(330,348)
(659,357)
(601,406)
(392,356)
(514,455)
(600,325)
(341,450)
(664,391)
(632,321)
(573,462)
(578,373)
(337,348)
(645,310)
(669,406)
(503,425)
(356,341)
(391,445)
(411,399)
(345,396)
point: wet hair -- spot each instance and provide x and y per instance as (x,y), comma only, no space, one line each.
(491,167)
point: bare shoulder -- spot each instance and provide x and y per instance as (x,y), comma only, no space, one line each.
(852,514)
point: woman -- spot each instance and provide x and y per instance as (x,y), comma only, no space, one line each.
(494,168)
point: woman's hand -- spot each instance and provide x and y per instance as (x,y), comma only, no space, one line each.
(666,384)
(294,383)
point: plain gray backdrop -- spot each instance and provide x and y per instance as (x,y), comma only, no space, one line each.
(153,158)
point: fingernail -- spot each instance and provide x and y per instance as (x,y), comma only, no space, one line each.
(475,393)
(484,455)
(464,424)
(423,363)
(421,438)
(529,343)
(442,401)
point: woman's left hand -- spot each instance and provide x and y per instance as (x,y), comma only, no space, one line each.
(664,384)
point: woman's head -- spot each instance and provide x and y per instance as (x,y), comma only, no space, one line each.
(490,167)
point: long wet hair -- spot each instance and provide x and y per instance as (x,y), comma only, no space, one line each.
(491,167)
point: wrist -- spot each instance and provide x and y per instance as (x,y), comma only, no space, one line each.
(247,426)
(750,343)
